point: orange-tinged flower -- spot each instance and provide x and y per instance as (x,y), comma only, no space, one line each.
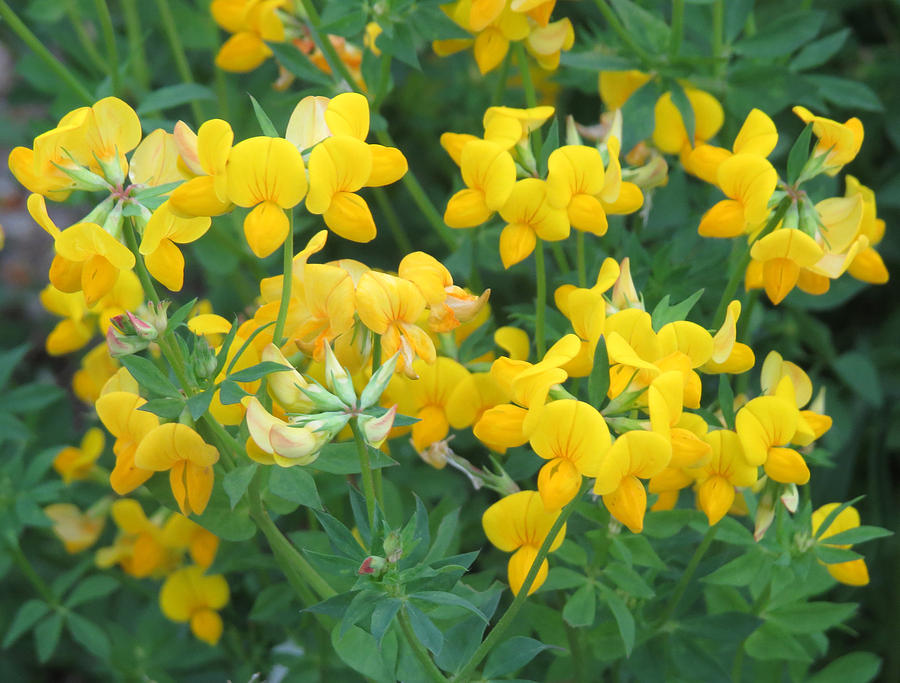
(120,414)
(188,595)
(180,450)
(76,529)
(519,524)
(74,463)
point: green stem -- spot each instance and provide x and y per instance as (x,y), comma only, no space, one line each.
(577,653)
(286,283)
(299,572)
(419,650)
(685,579)
(28,570)
(562,262)
(139,265)
(231,448)
(393,220)
(738,274)
(645,57)
(87,44)
(376,351)
(177,48)
(510,615)
(109,37)
(417,192)
(365,467)
(384,79)
(718,35)
(528,85)
(580,258)
(36,46)
(500,86)
(331,56)
(540,308)
(136,54)
(677,27)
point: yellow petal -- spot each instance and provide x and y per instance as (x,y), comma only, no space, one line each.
(520,564)
(715,497)
(628,503)
(349,216)
(757,136)
(266,228)
(348,114)
(266,169)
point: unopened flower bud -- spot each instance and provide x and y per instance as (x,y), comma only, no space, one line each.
(322,399)
(287,387)
(376,386)
(120,344)
(84,179)
(141,327)
(573,137)
(338,379)
(100,212)
(373,565)
(765,514)
(650,175)
(113,222)
(790,497)
(376,429)
(112,170)
(204,359)
(156,315)
(393,546)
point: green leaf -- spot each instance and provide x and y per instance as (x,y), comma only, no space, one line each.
(664,313)
(829,519)
(29,398)
(771,643)
(360,607)
(726,399)
(174,96)
(148,376)
(643,26)
(830,555)
(638,110)
(428,634)
(198,404)
(358,650)
(857,667)
(402,45)
(628,580)
(781,37)
(511,655)
(683,104)
(820,51)
(92,588)
(623,617)
(383,616)
(739,572)
(179,316)
(799,154)
(222,355)
(255,372)
(90,635)
(847,93)
(296,62)
(416,536)
(26,616)
(265,123)
(443,536)
(551,142)
(296,485)
(581,607)
(598,381)
(811,617)
(340,537)
(219,517)
(596,61)
(445,598)
(858,372)
(859,534)
(46,636)
(231,393)
(166,408)
(342,458)
(9,361)
(236,482)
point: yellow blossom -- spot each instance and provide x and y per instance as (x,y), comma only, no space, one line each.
(76,529)
(120,414)
(205,157)
(529,216)
(726,470)
(163,231)
(188,595)
(74,463)
(852,572)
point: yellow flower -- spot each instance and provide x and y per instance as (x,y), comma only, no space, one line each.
(94,139)
(97,366)
(633,456)
(205,157)
(547,42)
(155,161)
(757,136)
(307,127)
(253,23)
(471,399)
(573,437)
(726,470)
(391,307)
(163,231)
(180,450)
(617,86)
(853,572)
(529,216)
(508,126)
(729,355)
(139,548)
(748,180)
(267,174)
(120,414)
(188,595)
(286,444)
(448,305)
(180,533)
(74,463)
(669,132)
(838,143)
(575,176)
(868,265)
(76,529)
(519,524)
(88,259)
(428,398)
(489,173)
(779,258)
(665,402)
